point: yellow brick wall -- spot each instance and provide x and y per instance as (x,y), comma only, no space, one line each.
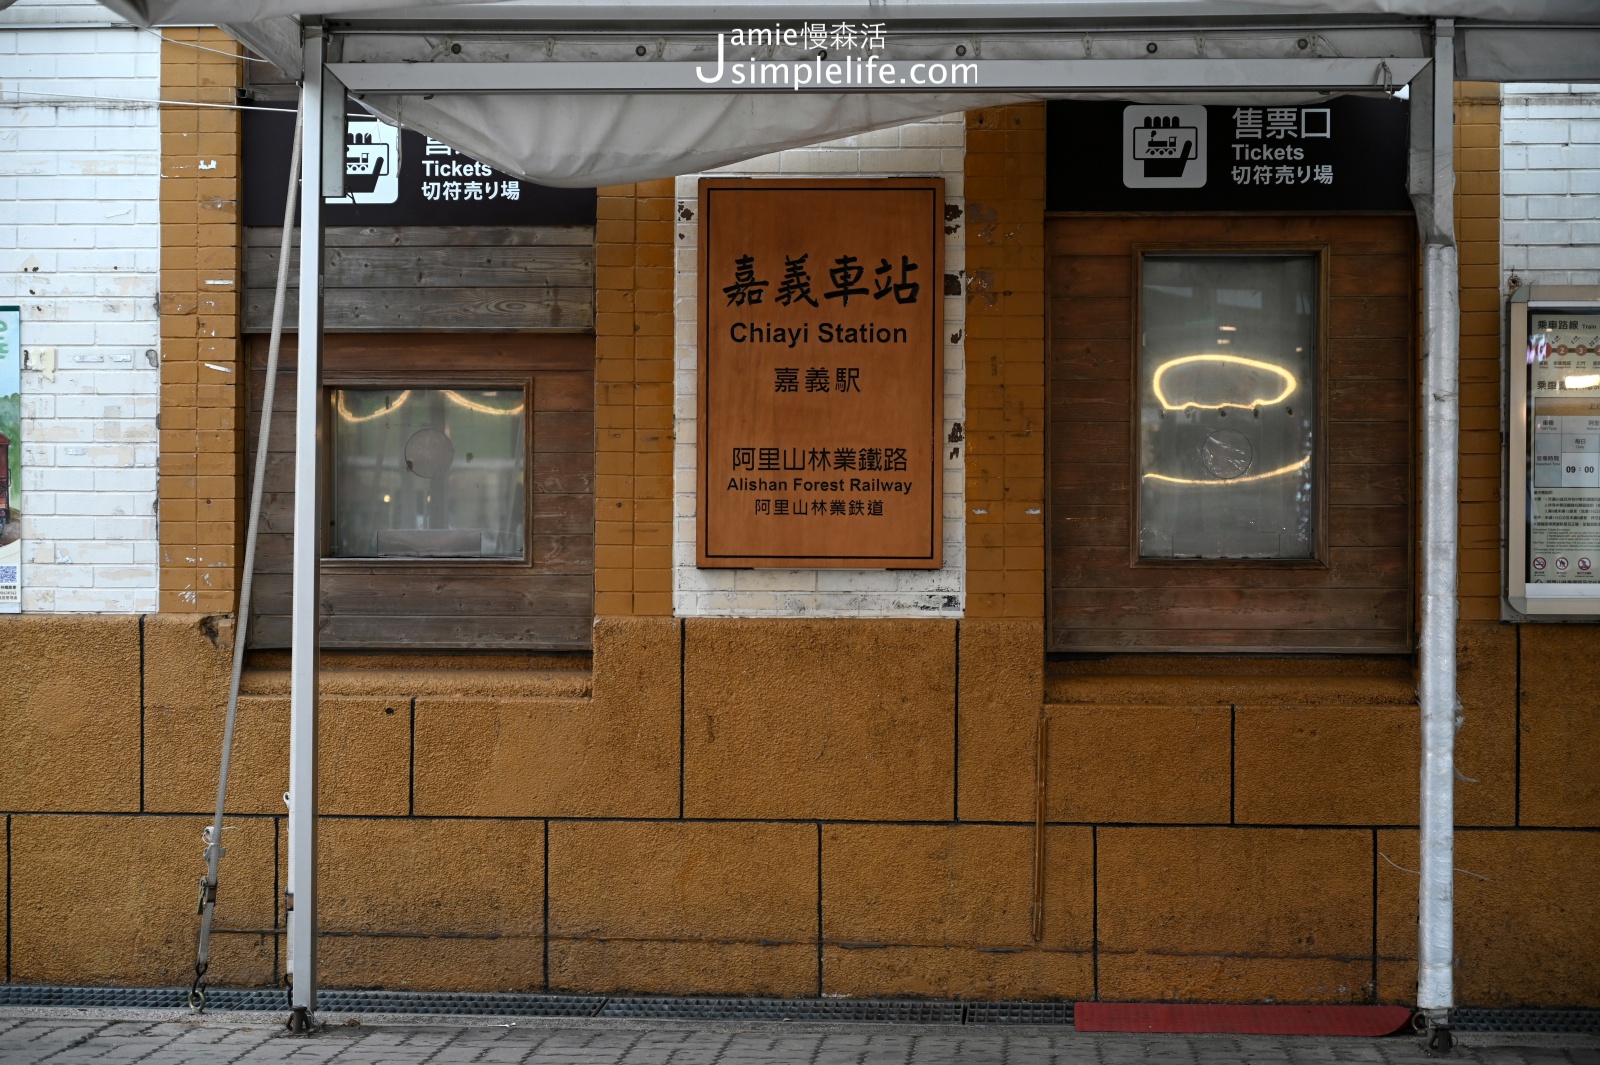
(1478,241)
(200,482)
(633,400)
(1006,361)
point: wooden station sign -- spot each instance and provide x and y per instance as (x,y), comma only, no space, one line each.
(821,313)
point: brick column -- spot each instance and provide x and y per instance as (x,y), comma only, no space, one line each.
(1006,406)
(201,481)
(1478,244)
(633,400)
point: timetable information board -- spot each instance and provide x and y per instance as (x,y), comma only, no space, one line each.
(1564,448)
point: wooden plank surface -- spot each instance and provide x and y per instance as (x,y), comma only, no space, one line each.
(423,353)
(429,236)
(442,594)
(1359,599)
(434,278)
(477,632)
(544,603)
(1082,567)
(435,310)
(411,266)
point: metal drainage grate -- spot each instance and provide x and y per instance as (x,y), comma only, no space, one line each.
(238,998)
(784,1009)
(460,1003)
(1562,1021)
(1019,1013)
(125,997)
(689,1008)
(229,998)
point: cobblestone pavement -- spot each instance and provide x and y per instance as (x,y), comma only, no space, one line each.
(73,1037)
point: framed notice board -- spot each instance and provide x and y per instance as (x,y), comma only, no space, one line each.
(1553,472)
(10,459)
(820,372)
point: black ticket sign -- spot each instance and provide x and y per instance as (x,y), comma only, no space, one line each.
(1341,154)
(398,177)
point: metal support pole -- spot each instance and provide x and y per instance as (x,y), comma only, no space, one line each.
(1441,425)
(302,921)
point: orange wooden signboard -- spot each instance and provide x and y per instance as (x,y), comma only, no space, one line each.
(821,311)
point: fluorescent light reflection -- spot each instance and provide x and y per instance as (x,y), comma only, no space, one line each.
(1289,382)
(1302,464)
(457,398)
(482,408)
(1588,380)
(353,418)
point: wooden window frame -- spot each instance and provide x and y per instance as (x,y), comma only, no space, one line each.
(1321,252)
(337,379)
(542,602)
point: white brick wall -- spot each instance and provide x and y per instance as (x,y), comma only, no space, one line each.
(936,147)
(1550,176)
(79,251)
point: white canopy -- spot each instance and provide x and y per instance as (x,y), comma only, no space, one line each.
(604,93)
(212,12)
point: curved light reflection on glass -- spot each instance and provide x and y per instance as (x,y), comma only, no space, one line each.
(454,397)
(353,418)
(1279,472)
(482,408)
(1289,382)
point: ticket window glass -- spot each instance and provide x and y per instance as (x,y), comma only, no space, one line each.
(458,495)
(429,473)
(1230,434)
(1227,403)
(1554,546)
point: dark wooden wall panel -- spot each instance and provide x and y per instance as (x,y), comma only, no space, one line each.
(548,604)
(433,278)
(1361,599)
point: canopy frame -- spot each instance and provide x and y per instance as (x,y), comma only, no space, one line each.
(1421,54)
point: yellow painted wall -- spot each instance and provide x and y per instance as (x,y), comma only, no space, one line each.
(507,824)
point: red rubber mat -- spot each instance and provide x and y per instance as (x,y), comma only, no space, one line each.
(1186,1019)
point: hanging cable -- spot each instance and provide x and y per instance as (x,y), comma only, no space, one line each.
(142,101)
(213,837)
(203,48)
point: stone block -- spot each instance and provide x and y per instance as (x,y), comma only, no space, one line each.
(111,900)
(1235,914)
(614,754)
(683,907)
(637,665)
(188,659)
(1486,746)
(363,756)
(546,758)
(70,714)
(1560,725)
(1002,695)
(1326,765)
(1151,977)
(819,718)
(1526,925)
(946,911)
(433,963)
(1144,764)
(431,904)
